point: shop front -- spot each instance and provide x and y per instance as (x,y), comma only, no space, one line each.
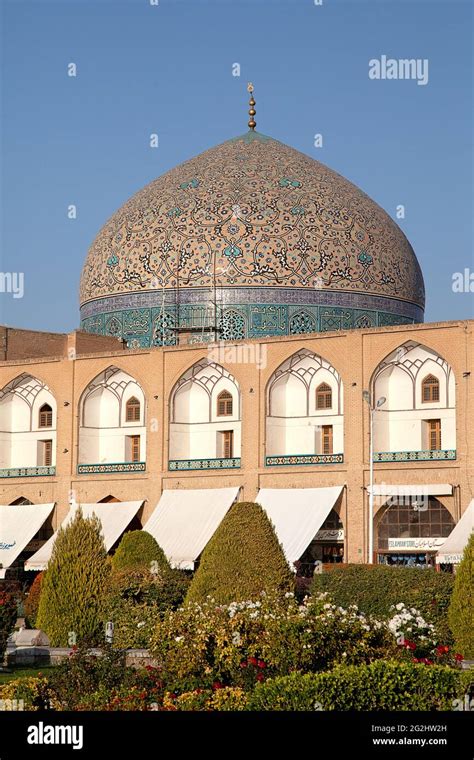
(411,530)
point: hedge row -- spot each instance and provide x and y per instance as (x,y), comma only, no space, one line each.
(381,685)
(376,588)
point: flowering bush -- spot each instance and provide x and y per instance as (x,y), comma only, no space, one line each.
(83,673)
(8,615)
(244,643)
(28,693)
(418,639)
(376,588)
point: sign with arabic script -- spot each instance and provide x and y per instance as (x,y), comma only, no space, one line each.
(6,545)
(415,543)
(330,535)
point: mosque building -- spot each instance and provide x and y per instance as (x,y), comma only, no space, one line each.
(251,329)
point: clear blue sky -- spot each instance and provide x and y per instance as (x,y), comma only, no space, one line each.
(168,69)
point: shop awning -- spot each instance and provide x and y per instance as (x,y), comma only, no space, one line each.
(114,516)
(424,489)
(297,514)
(451,551)
(18,524)
(185,520)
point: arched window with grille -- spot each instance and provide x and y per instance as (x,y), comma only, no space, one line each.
(132,410)
(323,396)
(45,416)
(225,404)
(430,389)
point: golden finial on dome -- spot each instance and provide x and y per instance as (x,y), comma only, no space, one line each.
(252,111)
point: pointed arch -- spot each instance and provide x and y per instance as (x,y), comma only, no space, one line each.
(204,416)
(418,415)
(112,421)
(304,398)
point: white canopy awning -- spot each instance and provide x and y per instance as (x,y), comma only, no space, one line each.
(18,524)
(453,548)
(185,520)
(297,514)
(424,489)
(114,516)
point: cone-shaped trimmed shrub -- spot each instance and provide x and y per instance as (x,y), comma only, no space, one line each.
(137,551)
(242,559)
(461,609)
(73,585)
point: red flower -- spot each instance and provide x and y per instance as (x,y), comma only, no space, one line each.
(243,664)
(410,645)
(260,676)
(261,664)
(415,659)
(252,661)
(428,662)
(217,685)
(458,657)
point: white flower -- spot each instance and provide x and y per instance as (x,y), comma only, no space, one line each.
(399,606)
(179,638)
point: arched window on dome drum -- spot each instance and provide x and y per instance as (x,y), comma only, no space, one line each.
(224,404)
(323,396)
(45,416)
(430,389)
(132,410)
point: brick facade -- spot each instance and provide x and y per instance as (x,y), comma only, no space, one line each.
(67,363)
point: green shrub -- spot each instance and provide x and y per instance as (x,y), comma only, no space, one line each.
(242,559)
(27,693)
(8,616)
(138,550)
(376,588)
(461,610)
(381,685)
(31,603)
(72,592)
(219,699)
(136,600)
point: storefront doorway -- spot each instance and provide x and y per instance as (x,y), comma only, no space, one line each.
(410,531)
(327,547)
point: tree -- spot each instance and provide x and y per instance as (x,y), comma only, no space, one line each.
(32,601)
(461,609)
(137,551)
(72,590)
(242,559)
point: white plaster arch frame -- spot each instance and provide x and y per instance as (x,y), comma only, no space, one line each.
(290,367)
